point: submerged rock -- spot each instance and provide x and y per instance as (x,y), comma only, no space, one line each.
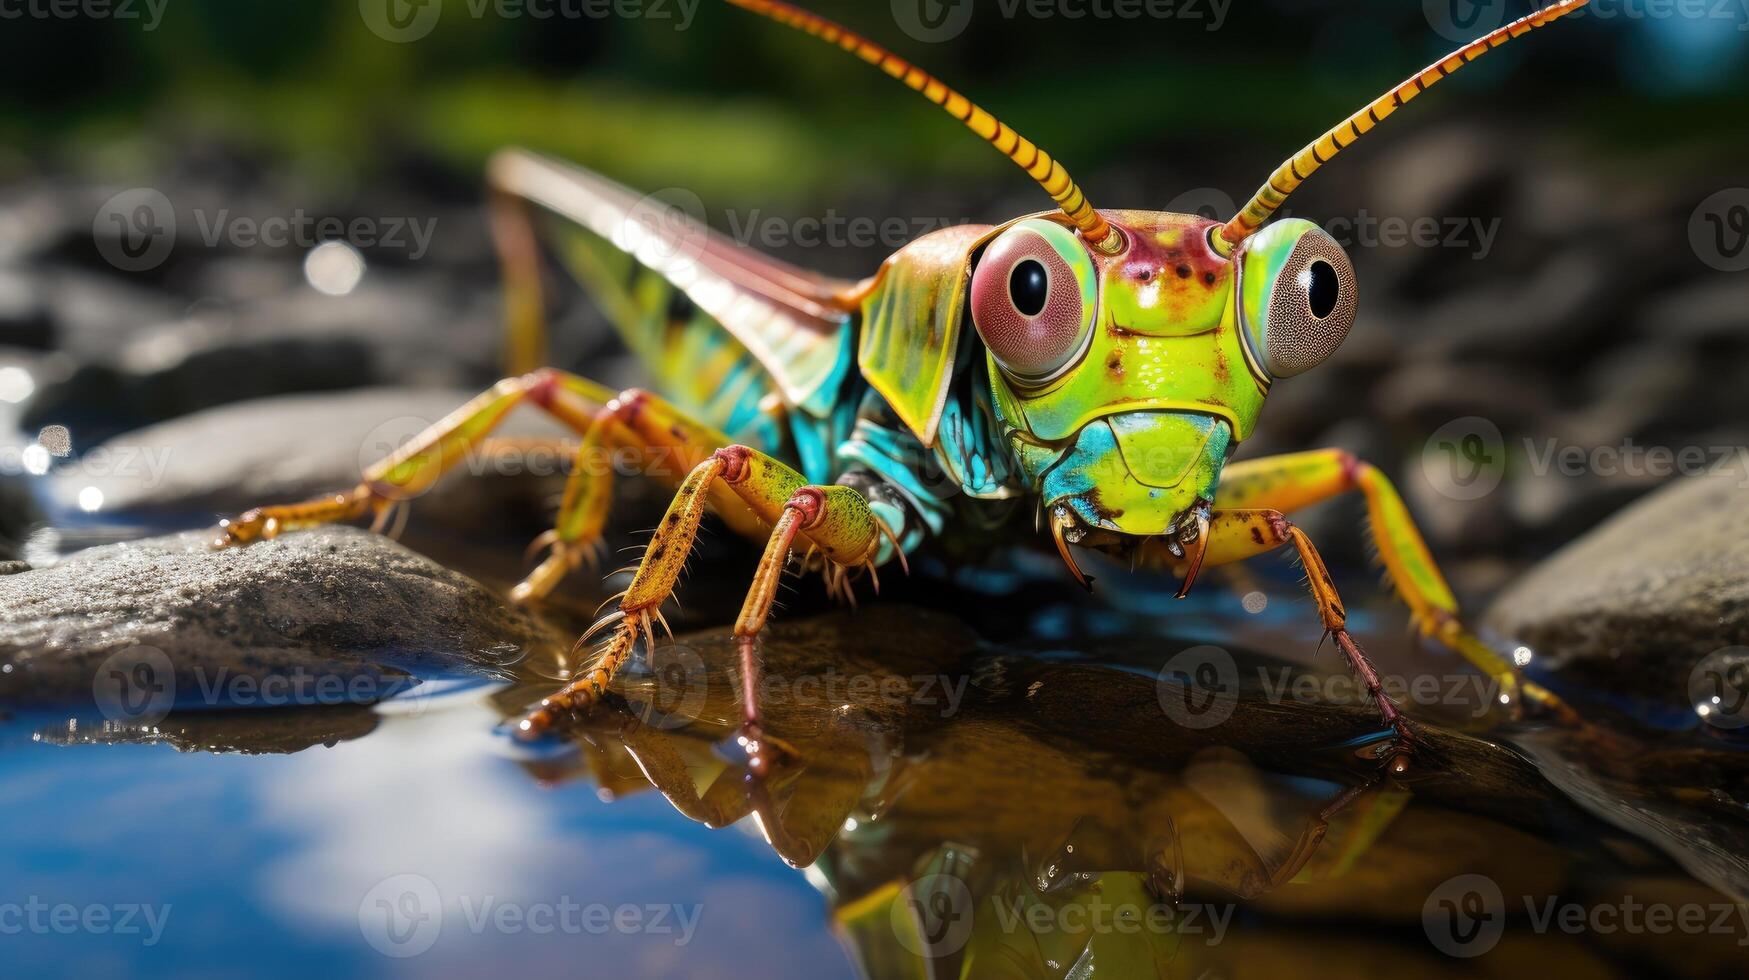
(335,615)
(1637,605)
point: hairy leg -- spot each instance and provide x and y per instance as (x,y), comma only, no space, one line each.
(413,468)
(835,521)
(673,443)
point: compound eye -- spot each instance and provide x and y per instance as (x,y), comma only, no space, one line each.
(1033,300)
(1311,307)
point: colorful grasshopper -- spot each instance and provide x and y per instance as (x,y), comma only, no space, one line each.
(1115,360)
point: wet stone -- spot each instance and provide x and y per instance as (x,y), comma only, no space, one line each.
(1636,605)
(332,615)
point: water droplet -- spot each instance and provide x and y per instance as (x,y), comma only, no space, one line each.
(90,500)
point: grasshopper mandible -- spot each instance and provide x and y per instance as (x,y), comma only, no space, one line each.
(1113,362)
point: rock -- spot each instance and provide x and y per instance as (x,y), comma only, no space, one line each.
(25,320)
(274,450)
(325,616)
(1637,604)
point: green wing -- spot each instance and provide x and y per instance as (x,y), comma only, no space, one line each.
(794,323)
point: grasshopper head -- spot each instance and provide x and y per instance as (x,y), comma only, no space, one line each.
(1123,380)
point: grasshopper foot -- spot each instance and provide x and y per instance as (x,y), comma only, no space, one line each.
(266,523)
(578,700)
(563,557)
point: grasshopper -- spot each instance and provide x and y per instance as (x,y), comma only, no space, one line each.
(1103,364)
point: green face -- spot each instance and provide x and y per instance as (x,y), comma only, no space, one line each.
(1123,381)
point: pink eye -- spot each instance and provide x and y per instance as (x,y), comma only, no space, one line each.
(1032,307)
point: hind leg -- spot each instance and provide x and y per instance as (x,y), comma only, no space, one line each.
(413,468)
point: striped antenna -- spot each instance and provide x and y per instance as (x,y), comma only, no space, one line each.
(1026,154)
(1303,164)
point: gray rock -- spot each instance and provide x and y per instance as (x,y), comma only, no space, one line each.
(1637,604)
(276,450)
(328,615)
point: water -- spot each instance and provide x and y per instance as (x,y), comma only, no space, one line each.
(1000,809)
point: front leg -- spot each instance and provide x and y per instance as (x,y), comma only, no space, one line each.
(1235,535)
(1289,482)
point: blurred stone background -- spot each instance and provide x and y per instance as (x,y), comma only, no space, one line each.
(1550,246)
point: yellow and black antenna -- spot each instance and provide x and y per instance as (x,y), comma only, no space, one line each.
(1303,164)
(1025,153)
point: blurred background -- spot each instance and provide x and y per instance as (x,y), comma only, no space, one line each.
(1549,244)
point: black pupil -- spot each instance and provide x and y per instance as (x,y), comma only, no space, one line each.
(1029,287)
(1322,291)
